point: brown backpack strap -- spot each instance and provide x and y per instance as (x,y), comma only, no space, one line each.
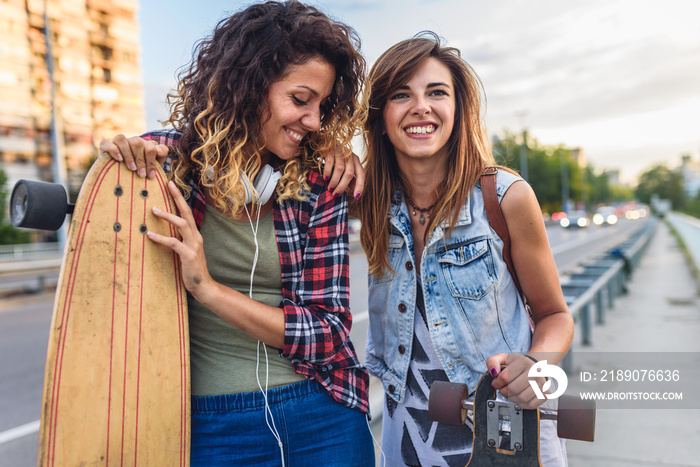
(496,219)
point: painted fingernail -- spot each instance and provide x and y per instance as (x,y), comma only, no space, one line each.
(494,372)
(142,172)
(326,178)
(357,195)
(132,166)
(335,195)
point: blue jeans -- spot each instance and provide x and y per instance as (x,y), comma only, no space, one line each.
(315,429)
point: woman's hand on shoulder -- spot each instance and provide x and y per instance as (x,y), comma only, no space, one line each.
(511,378)
(138,154)
(344,175)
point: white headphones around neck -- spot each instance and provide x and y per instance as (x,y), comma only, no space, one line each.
(264,184)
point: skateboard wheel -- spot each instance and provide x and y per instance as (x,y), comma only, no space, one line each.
(576,418)
(445,402)
(38,205)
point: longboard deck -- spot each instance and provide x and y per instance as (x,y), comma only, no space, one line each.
(116,387)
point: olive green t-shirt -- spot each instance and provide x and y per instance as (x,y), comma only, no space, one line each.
(222,358)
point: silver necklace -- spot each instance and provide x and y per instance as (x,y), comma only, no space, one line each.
(421,219)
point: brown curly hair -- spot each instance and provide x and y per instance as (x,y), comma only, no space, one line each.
(220,97)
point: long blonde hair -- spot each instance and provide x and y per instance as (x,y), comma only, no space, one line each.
(220,97)
(468,146)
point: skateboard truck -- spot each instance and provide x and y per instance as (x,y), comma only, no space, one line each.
(504,419)
(504,433)
(449,403)
(39,205)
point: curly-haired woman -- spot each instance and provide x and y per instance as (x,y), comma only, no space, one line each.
(275,84)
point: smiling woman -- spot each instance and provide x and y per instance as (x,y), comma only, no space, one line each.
(442,303)
(294,107)
(419,116)
(273,88)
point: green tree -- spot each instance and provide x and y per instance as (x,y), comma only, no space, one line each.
(620,193)
(693,206)
(602,192)
(546,164)
(9,235)
(661,181)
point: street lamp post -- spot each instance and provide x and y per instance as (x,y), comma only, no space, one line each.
(523,147)
(564,184)
(57,146)
(523,156)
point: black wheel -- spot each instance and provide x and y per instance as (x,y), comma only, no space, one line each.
(576,418)
(445,402)
(38,205)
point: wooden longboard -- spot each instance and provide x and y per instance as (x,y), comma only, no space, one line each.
(116,388)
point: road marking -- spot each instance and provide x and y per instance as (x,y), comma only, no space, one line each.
(19,432)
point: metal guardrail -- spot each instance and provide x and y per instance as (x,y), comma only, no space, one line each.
(29,268)
(30,251)
(598,282)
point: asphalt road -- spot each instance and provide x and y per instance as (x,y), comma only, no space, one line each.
(24,329)
(24,333)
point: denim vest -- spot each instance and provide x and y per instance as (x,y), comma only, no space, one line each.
(473,308)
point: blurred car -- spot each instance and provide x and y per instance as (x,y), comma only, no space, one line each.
(558,216)
(605,215)
(637,213)
(575,218)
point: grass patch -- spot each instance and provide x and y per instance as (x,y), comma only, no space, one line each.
(688,258)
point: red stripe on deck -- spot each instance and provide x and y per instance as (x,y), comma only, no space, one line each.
(181,330)
(138,370)
(127,311)
(65,315)
(111,337)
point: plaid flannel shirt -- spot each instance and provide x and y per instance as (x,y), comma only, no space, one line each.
(312,238)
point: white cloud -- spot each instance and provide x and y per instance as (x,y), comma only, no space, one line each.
(606,75)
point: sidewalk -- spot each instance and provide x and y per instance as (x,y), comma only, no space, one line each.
(660,313)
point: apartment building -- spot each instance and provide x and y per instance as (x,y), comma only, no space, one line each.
(86,69)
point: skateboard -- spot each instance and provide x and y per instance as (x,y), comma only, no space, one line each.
(116,387)
(504,433)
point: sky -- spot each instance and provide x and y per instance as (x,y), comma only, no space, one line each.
(618,78)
